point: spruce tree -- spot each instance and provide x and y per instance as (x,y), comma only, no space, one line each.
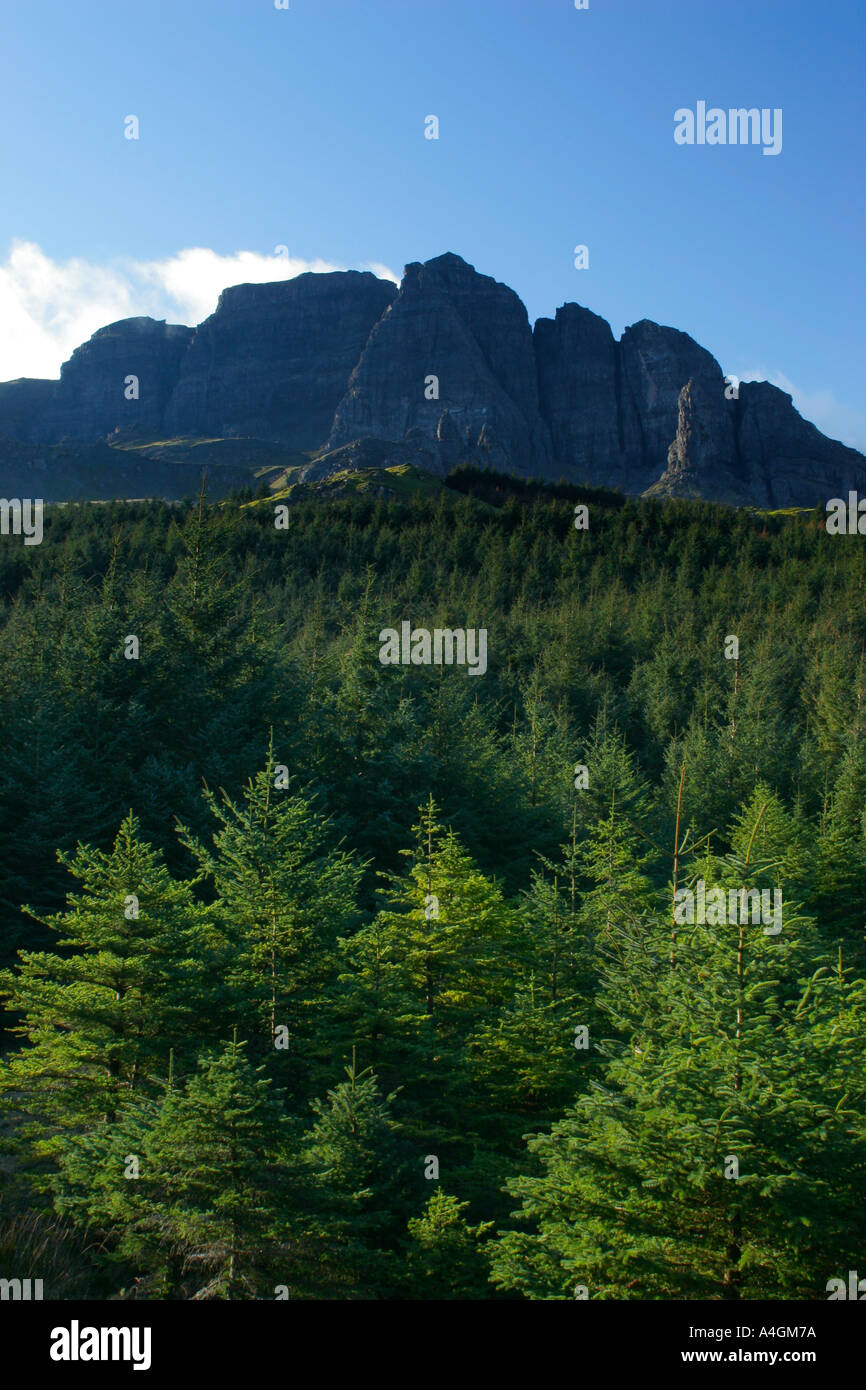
(360,1174)
(838,858)
(444,1257)
(284,892)
(418,977)
(696,1166)
(140,975)
(206,1210)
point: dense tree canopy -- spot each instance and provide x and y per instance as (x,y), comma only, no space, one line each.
(324,978)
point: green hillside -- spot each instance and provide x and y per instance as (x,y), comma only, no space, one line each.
(368,978)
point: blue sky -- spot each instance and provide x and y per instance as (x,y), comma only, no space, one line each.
(305,128)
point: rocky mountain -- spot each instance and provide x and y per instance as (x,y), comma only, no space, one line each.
(346,371)
(274,359)
(451,361)
(94,397)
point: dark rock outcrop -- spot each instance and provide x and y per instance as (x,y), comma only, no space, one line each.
(704,456)
(349,372)
(25,405)
(472,335)
(786,455)
(273,360)
(657,362)
(594,425)
(95,397)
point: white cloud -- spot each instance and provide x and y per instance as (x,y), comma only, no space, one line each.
(48,307)
(822,408)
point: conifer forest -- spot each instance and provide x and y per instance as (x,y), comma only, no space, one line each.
(333,975)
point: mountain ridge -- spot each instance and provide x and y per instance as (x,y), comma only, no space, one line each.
(445,369)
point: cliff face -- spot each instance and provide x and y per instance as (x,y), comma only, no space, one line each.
(24,408)
(445,370)
(94,397)
(594,425)
(472,335)
(657,363)
(274,359)
(704,455)
(787,455)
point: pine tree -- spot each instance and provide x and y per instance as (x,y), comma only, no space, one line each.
(527,1061)
(419,976)
(838,855)
(781,842)
(140,974)
(444,1257)
(207,1207)
(696,1166)
(284,893)
(360,1174)
(362,736)
(613,863)
(523,1065)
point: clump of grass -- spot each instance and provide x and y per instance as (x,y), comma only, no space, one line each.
(35,1245)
